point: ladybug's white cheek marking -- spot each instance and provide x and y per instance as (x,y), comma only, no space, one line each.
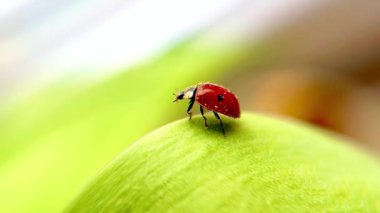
(189,94)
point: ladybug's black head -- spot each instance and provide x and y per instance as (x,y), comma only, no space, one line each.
(186,94)
(179,96)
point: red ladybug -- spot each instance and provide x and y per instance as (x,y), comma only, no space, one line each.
(212,97)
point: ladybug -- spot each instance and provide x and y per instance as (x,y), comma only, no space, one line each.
(212,97)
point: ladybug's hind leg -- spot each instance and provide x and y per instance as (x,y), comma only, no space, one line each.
(202,113)
(191,103)
(220,121)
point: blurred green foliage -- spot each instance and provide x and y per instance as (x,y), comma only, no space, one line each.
(52,143)
(262,165)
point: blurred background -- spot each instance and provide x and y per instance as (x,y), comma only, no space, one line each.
(81,80)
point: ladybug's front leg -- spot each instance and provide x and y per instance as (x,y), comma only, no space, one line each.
(191,103)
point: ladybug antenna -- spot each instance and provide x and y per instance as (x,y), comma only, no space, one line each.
(176,99)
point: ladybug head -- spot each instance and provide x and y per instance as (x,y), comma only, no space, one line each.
(186,94)
(179,96)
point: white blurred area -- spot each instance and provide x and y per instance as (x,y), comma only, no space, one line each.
(42,41)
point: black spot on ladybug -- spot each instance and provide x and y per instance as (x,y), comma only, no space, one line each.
(220,97)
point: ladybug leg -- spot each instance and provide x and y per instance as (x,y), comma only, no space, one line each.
(220,120)
(202,113)
(191,103)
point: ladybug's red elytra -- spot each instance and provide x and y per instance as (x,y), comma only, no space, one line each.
(212,97)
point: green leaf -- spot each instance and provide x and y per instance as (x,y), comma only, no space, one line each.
(51,144)
(262,165)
